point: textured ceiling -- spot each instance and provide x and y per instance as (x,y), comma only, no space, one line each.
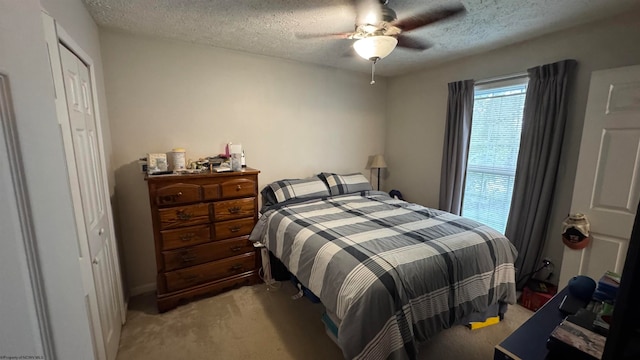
(268,27)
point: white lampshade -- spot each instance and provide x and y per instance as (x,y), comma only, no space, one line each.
(375,46)
(378,162)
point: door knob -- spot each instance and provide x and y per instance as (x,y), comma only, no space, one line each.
(100,232)
(96,261)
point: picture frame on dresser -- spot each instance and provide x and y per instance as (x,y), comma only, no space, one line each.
(201,226)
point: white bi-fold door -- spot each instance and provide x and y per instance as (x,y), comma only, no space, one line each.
(97,250)
(90,177)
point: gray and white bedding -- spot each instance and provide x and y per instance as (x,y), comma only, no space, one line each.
(393,272)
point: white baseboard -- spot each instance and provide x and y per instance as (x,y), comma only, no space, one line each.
(142,289)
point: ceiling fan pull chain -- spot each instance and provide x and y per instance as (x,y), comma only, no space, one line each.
(373,71)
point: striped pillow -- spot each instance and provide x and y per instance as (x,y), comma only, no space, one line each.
(345,184)
(299,189)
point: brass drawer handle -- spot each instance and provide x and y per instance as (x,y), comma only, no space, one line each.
(187,237)
(236,248)
(239,187)
(182,215)
(234,209)
(187,258)
(236,267)
(171,198)
(234,229)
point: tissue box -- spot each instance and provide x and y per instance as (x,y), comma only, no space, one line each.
(156,162)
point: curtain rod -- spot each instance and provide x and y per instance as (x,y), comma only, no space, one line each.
(501,78)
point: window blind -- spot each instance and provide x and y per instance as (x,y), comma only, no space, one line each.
(493,153)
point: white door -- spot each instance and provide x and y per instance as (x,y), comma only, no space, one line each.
(607,182)
(77,87)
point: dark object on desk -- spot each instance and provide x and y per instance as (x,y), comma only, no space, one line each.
(588,320)
(569,340)
(571,304)
(584,318)
(582,287)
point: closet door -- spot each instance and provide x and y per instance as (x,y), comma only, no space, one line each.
(90,172)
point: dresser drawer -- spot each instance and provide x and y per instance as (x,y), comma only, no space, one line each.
(199,254)
(194,235)
(183,216)
(177,194)
(238,188)
(211,191)
(234,209)
(216,270)
(233,228)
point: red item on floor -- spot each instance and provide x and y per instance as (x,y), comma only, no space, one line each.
(533,300)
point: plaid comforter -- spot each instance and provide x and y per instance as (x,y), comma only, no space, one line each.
(393,272)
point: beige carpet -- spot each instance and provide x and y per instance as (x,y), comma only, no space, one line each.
(256,323)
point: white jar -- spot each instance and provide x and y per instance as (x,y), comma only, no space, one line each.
(178,159)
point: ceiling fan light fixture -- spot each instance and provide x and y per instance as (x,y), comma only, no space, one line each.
(375,47)
(369,29)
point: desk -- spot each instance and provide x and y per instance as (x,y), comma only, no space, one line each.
(529,341)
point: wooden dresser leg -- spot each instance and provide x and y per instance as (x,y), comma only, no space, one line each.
(165,305)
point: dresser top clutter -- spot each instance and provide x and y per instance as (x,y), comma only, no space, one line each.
(201,225)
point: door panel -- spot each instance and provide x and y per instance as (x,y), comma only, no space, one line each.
(606,186)
(616,173)
(96,219)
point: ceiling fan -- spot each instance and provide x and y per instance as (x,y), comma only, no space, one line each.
(378,30)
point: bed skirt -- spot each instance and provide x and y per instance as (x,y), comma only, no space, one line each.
(332,323)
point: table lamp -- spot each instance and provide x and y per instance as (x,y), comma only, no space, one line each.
(378,163)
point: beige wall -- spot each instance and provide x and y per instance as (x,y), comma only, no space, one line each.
(293,119)
(417,107)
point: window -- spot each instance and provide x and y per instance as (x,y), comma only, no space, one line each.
(493,151)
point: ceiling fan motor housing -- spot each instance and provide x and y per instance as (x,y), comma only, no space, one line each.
(373,14)
(388,15)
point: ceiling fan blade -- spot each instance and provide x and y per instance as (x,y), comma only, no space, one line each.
(305,36)
(411,43)
(428,17)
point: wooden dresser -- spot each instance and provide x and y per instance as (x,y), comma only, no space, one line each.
(201,226)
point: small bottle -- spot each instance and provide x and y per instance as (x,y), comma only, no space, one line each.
(242,160)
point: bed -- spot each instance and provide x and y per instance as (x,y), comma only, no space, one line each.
(390,273)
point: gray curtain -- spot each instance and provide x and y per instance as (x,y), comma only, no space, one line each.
(456,145)
(543,123)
